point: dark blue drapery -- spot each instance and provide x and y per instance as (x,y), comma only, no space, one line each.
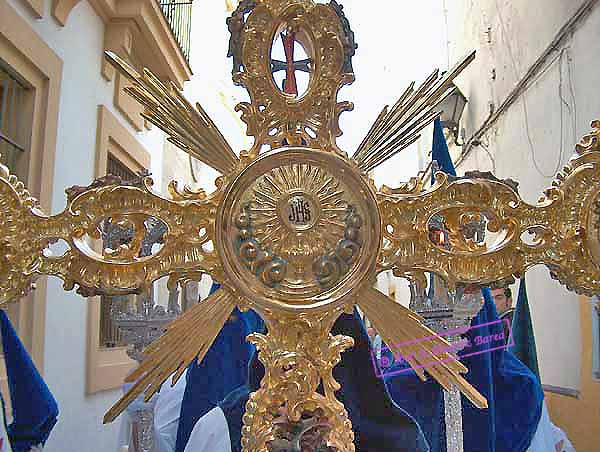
(224,368)
(34,409)
(378,424)
(514,394)
(522,332)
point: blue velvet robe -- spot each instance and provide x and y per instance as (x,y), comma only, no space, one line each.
(379,425)
(34,409)
(223,369)
(514,395)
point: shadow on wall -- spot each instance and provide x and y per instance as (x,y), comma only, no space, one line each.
(580,416)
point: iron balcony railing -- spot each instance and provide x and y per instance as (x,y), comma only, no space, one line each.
(179,16)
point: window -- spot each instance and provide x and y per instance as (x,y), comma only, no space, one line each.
(30,76)
(12,123)
(12,149)
(116,168)
(111,306)
(120,153)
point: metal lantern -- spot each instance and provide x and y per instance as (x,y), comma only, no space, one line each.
(452,109)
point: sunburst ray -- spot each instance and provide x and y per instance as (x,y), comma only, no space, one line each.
(403,330)
(188,128)
(398,127)
(188,337)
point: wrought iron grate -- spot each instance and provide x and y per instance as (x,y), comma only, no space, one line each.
(110,336)
(179,16)
(116,168)
(12,98)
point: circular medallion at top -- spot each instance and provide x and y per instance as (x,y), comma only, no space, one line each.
(299,228)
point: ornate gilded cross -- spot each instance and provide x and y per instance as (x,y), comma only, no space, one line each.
(297,230)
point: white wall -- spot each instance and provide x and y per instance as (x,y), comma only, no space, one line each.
(398,42)
(80,45)
(520,30)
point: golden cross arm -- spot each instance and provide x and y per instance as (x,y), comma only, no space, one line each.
(561,231)
(27,234)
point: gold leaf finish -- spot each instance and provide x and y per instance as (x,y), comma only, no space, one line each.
(563,227)
(27,233)
(398,127)
(19,244)
(275,118)
(299,232)
(298,236)
(189,128)
(173,352)
(298,353)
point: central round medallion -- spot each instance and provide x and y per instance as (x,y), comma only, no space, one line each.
(298,227)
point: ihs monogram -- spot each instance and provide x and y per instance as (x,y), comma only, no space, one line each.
(299,209)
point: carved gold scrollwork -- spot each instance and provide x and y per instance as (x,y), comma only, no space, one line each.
(563,225)
(299,232)
(27,233)
(20,247)
(298,353)
(274,118)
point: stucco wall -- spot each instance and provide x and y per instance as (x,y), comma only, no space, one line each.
(509,36)
(579,416)
(80,45)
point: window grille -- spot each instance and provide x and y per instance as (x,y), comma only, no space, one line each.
(12,131)
(110,335)
(116,168)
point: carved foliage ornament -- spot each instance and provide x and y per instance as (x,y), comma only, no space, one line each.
(298,231)
(274,117)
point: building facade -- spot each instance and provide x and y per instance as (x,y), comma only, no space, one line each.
(66,121)
(532,92)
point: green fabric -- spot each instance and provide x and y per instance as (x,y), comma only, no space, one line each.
(522,332)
